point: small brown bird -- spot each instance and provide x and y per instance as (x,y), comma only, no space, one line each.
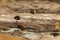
(19,25)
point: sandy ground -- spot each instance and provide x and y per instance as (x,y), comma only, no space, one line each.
(29,36)
(9,37)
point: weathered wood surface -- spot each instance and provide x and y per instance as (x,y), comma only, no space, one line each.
(47,13)
(36,21)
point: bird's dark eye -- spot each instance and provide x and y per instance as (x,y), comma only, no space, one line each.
(32,12)
(17,17)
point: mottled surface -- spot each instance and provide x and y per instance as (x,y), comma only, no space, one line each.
(47,13)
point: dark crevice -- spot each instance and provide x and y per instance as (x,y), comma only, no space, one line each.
(54,34)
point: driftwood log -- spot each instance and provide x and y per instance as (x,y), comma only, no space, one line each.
(41,22)
(47,14)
